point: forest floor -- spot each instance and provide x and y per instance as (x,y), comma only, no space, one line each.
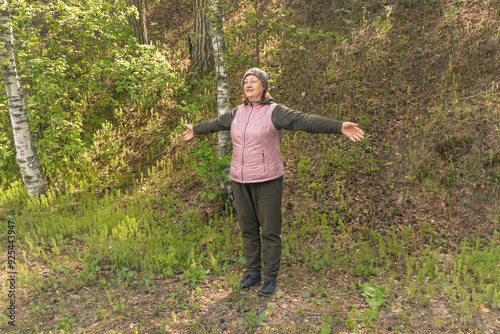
(300,305)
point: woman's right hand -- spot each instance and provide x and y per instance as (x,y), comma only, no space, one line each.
(188,134)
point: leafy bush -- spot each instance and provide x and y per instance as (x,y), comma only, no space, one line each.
(79,65)
(209,168)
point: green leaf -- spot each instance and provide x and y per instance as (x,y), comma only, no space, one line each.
(325,329)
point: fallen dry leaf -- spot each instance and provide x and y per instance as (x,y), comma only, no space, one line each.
(485,309)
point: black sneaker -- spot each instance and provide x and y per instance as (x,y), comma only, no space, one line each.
(267,289)
(248,281)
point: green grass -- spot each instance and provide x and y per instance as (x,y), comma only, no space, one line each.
(122,234)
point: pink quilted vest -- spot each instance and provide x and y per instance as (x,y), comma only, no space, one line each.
(256,152)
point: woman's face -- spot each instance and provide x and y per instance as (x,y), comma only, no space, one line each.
(253,88)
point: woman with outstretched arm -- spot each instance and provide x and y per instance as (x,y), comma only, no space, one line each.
(257,170)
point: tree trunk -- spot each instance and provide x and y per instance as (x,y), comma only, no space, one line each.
(220,55)
(24,142)
(138,24)
(200,47)
(257,33)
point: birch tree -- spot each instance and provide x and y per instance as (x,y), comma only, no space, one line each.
(24,142)
(220,52)
(138,23)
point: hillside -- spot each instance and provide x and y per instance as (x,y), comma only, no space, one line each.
(396,234)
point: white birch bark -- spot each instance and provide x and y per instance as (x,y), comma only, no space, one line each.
(24,142)
(220,52)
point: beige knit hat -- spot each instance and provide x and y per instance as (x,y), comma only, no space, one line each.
(260,74)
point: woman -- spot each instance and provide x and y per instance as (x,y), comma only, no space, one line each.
(257,169)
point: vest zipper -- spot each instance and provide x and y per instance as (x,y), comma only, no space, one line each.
(244,142)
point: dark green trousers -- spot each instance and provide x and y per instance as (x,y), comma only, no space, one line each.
(259,214)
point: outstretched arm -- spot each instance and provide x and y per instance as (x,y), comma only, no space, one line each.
(288,119)
(351,131)
(221,123)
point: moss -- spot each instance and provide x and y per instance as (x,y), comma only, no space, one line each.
(493,178)
(454,146)
(495,160)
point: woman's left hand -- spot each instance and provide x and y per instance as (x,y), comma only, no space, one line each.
(189,133)
(351,131)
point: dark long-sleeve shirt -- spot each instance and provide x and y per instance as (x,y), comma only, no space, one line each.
(282,118)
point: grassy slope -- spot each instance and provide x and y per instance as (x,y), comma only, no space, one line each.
(396,209)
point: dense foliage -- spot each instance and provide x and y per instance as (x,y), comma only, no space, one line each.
(80,68)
